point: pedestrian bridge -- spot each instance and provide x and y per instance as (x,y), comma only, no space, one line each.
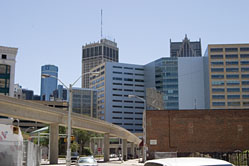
(28,110)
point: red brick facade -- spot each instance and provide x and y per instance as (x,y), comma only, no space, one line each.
(197,130)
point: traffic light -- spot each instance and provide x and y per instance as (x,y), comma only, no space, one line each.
(72,139)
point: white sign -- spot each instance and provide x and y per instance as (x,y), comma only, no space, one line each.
(153,142)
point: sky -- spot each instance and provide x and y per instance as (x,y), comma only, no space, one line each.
(54,31)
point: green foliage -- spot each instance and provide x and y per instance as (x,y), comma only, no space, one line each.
(74,147)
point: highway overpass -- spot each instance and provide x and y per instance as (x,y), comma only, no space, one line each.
(28,110)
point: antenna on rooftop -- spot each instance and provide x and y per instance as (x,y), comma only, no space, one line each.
(101,24)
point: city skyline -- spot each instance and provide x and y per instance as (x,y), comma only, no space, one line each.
(54,32)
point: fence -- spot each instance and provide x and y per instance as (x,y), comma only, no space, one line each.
(31,154)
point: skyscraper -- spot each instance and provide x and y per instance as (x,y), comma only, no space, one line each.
(186,48)
(228,76)
(48,85)
(94,54)
(7,70)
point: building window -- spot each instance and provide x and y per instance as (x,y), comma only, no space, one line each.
(117,67)
(245,82)
(218,96)
(231,56)
(128,84)
(129,68)
(244,55)
(128,79)
(217,76)
(128,106)
(117,106)
(231,49)
(139,69)
(237,103)
(116,117)
(233,89)
(128,124)
(216,56)
(244,69)
(245,89)
(233,82)
(244,49)
(128,73)
(117,112)
(136,74)
(233,96)
(139,85)
(4,56)
(245,76)
(218,103)
(218,90)
(246,103)
(217,69)
(117,95)
(245,96)
(127,118)
(244,62)
(117,124)
(116,72)
(231,62)
(232,69)
(231,76)
(217,63)
(128,112)
(117,101)
(128,101)
(117,78)
(139,80)
(117,83)
(216,49)
(128,90)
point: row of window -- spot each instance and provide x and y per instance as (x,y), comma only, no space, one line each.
(127,79)
(125,84)
(230,76)
(230,82)
(228,56)
(235,103)
(230,63)
(127,90)
(229,49)
(229,90)
(126,73)
(230,96)
(130,107)
(129,68)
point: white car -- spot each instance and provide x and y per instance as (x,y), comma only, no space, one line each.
(87,161)
(187,161)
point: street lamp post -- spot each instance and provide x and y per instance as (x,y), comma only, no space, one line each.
(70,89)
(144,125)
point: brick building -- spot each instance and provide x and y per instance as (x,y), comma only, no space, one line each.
(197,130)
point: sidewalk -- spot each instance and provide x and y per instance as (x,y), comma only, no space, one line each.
(133,162)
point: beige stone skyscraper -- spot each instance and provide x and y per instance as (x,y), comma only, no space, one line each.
(228,76)
(94,54)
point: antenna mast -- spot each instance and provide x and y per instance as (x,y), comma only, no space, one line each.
(101,24)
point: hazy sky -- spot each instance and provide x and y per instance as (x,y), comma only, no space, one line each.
(53,31)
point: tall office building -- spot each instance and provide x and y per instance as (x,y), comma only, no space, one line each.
(49,84)
(85,101)
(186,48)
(114,84)
(228,76)
(180,80)
(96,53)
(7,70)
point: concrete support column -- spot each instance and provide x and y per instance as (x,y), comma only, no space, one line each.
(53,143)
(132,150)
(106,147)
(124,149)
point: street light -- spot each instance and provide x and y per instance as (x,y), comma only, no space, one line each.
(68,158)
(144,125)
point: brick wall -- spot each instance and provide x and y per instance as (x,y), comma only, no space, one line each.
(197,130)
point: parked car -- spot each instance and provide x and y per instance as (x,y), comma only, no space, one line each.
(86,161)
(74,156)
(187,161)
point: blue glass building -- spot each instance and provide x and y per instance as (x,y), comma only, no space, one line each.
(48,85)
